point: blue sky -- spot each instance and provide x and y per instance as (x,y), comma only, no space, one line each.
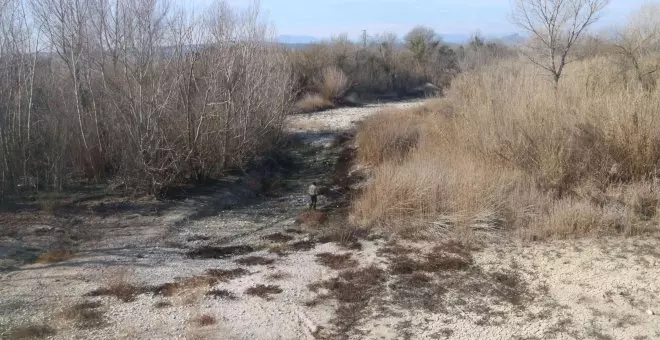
(325,18)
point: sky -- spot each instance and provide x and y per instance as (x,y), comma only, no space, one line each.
(326,18)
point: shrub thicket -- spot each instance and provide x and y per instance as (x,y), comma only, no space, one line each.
(507,150)
(381,66)
(132,93)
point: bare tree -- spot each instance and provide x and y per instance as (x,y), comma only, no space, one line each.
(555,27)
(17,73)
(480,52)
(639,42)
(422,41)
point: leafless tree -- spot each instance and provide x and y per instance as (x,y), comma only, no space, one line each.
(17,74)
(132,93)
(554,26)
(639,42)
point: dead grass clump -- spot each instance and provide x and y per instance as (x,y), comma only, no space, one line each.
(387,136)
(403,265)
(30,331)
(353,286)
(263,291)
(55,256)
(312,218)
(509,287)
(336,261)
(304,245)
(255,261)
(497,163)
(438,260)
(222,294)
(576,218)
(481,291)
(455,247)
(121,287)
(162,304)
(277,276)
(278,238)
(184,285)
(348,237)
(224,275)
(353,289)
(332,84)
(219,252)
(417,291)
(393,249)
(86,315)
(280,250)
(643,200)
(312,103)
(205,320)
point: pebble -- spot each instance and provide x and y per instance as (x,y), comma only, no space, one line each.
(650,312)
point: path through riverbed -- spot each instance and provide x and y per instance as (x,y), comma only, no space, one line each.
(147,244)
(241,260)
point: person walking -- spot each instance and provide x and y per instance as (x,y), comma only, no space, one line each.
(313,192)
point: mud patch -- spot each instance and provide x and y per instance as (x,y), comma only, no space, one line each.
(195,238)
(295,231)
(219,252)
(305,245)
(263,291)
(225,275)
(278,237)
(336,261)
(255,261)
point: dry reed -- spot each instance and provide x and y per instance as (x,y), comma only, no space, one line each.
(504,150)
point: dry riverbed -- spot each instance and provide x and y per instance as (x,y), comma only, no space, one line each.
(241,260)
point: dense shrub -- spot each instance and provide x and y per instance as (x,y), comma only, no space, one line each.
(111,103)
(507,150)
(382,65)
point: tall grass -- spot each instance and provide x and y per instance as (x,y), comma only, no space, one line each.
(505,150)
(332,84)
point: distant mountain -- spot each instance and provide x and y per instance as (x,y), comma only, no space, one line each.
(512,39)
(455,38)
(300,41)
(296,39)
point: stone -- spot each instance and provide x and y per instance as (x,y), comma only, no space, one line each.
(42,229)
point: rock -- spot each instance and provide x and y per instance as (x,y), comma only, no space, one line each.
(650,312)
(41,229)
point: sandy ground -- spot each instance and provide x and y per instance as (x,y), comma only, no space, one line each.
(585,289)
